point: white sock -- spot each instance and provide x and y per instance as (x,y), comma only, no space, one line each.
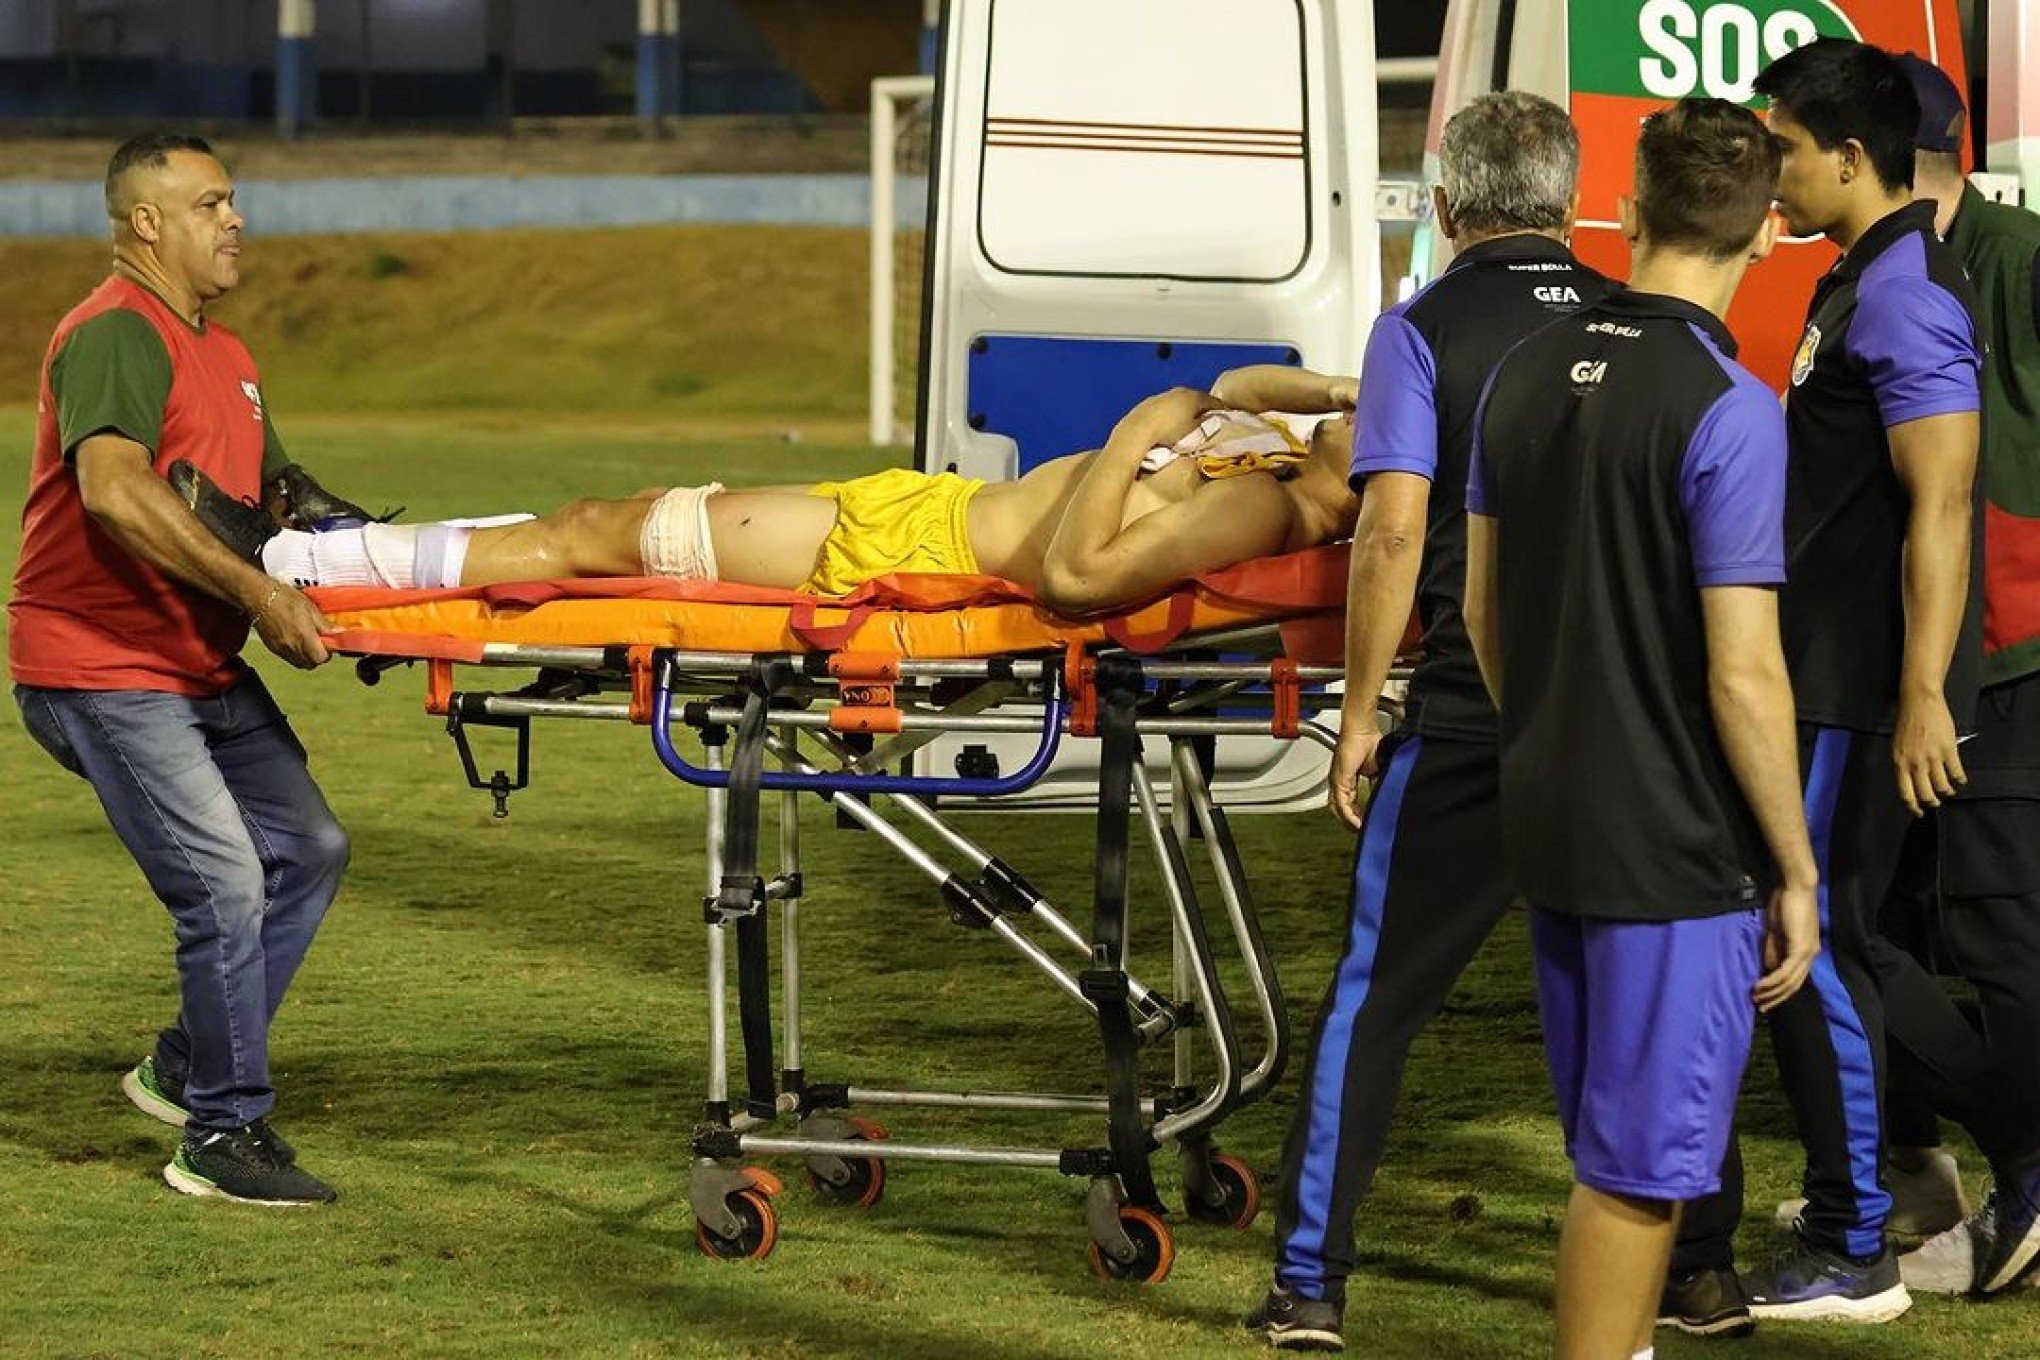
(341,559)
(288,557)
(396,556)
(1650,1354)
(374,555)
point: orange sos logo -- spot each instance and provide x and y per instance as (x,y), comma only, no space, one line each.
(1670,49)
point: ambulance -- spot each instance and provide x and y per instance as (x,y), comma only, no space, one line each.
(1129,195)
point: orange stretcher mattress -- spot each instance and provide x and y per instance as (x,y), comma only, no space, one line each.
(956,617)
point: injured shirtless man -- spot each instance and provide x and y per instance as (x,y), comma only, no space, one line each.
(1188,482)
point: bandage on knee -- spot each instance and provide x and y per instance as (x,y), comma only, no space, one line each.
(675,539)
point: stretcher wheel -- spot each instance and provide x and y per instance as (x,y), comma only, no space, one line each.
(766,1183)
(1154,1250)
(866,1184)
(757,1234)
(864,1188)
(1242,1191)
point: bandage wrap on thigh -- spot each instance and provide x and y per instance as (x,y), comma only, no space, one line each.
(675,539)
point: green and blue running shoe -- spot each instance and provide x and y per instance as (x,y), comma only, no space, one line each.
(153,1094)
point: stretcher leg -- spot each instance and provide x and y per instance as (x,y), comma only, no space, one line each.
(718,1109)
(1038,906)
(1194,951)
(999,878)
(869,818)
(1193,789)
(1180,949)
(1130,1141)
(792,1077)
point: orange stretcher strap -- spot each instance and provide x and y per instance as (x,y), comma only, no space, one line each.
(898,616)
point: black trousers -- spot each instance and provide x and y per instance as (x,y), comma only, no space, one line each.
(1978,1064)
(1428,888)
(1829,1038)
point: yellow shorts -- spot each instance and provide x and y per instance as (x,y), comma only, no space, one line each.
(895,521)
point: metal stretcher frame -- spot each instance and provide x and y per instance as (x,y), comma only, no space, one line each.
(792,724)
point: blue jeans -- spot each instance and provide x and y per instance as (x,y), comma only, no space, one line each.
(214,801)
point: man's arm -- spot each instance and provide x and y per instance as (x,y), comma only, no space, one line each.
(1751,699)
(122,492)
(1093,563)
(1920,351)
(1278,387)
(1381,583)
(1483,615)
(1936,461)
(1395,458)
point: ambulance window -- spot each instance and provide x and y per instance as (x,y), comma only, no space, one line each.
(1146,138)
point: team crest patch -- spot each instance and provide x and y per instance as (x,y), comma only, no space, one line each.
(1802,362)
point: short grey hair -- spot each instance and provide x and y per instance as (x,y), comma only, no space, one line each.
(1510,162)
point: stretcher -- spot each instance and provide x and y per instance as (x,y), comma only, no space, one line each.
(789,695)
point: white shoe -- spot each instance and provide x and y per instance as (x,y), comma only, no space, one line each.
(1945,1264)
(1925,1201)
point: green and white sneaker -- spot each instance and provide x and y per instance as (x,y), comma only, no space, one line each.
(152,1094)
(250,1165)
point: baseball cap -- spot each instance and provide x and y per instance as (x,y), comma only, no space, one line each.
(1941,107)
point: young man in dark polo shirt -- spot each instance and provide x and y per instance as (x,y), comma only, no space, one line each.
(1428,886)
(124,631)
(1881,633)
(1625,547)
(1985,1074)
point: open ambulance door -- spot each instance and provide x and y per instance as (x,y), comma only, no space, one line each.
(1130,195)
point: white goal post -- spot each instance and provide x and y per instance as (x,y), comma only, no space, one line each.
(889,96)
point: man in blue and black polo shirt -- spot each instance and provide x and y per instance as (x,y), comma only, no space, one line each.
(1428,886)
(1882,630)
(1625,546)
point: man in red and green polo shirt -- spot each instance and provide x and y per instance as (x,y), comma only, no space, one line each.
(124,628)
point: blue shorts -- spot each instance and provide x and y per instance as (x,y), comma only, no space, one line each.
(1647,1028)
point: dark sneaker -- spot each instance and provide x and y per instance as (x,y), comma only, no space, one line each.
(154,1094)
(307,505)
(248,1164)
(1706,1303)
(1294,1323)
(2007,1252)
(285,1154)
(1812,1284)
(243,528)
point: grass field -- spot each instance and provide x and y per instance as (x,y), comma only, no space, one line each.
(761,324)
(496,1052)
